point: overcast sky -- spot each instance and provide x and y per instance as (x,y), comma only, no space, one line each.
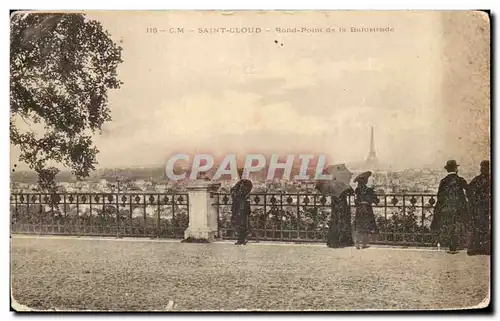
(318,93)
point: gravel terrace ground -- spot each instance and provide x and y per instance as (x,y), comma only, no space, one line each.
(106,274)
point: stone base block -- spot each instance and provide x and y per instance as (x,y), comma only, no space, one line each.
(200,234)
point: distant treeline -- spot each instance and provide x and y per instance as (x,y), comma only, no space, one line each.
(157,174)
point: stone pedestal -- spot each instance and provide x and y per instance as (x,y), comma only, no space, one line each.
(203,222)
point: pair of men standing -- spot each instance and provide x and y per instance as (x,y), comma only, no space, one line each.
(459,205)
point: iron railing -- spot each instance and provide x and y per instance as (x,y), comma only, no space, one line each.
(100,214)
(402,219)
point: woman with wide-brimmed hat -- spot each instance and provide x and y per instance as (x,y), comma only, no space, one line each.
(364,220)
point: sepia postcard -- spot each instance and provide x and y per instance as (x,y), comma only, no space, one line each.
(250,160)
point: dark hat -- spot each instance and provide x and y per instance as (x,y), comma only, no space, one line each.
(485,163)
(363,175)
(451,164)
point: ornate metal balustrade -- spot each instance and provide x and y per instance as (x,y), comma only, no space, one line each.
(402,219)
(100,214)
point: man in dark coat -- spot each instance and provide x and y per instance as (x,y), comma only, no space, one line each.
(364,220)
(450,211)
(479,195)
(240,208)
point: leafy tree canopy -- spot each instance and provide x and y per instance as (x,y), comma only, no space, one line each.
(61,68)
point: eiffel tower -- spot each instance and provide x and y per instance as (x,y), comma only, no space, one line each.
(372,160)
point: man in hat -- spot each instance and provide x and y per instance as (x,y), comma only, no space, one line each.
(450,211)
(479,195)
(240,208)
(364,220)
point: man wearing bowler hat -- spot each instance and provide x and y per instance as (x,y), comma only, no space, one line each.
(450,211)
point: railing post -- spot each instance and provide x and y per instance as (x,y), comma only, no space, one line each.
(16,210)
(27,212)
(117,204)
(405,219)
(77,196)
(386,233)
(333,218)
(158,201)
(145,216)
(217,202)
(203,223)
(40,214)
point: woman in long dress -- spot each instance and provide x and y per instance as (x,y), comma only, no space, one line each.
(340,232)
(240,209)
(364,220)
(339,227)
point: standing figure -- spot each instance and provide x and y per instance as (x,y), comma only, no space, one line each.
(339,231)
(240,208)
(450,211)
(479,195)
(364,220)
(338,188)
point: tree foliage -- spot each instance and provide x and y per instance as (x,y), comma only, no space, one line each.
(46,179)
(61,68)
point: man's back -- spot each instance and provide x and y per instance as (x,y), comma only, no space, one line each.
(480,188)
(451,193)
